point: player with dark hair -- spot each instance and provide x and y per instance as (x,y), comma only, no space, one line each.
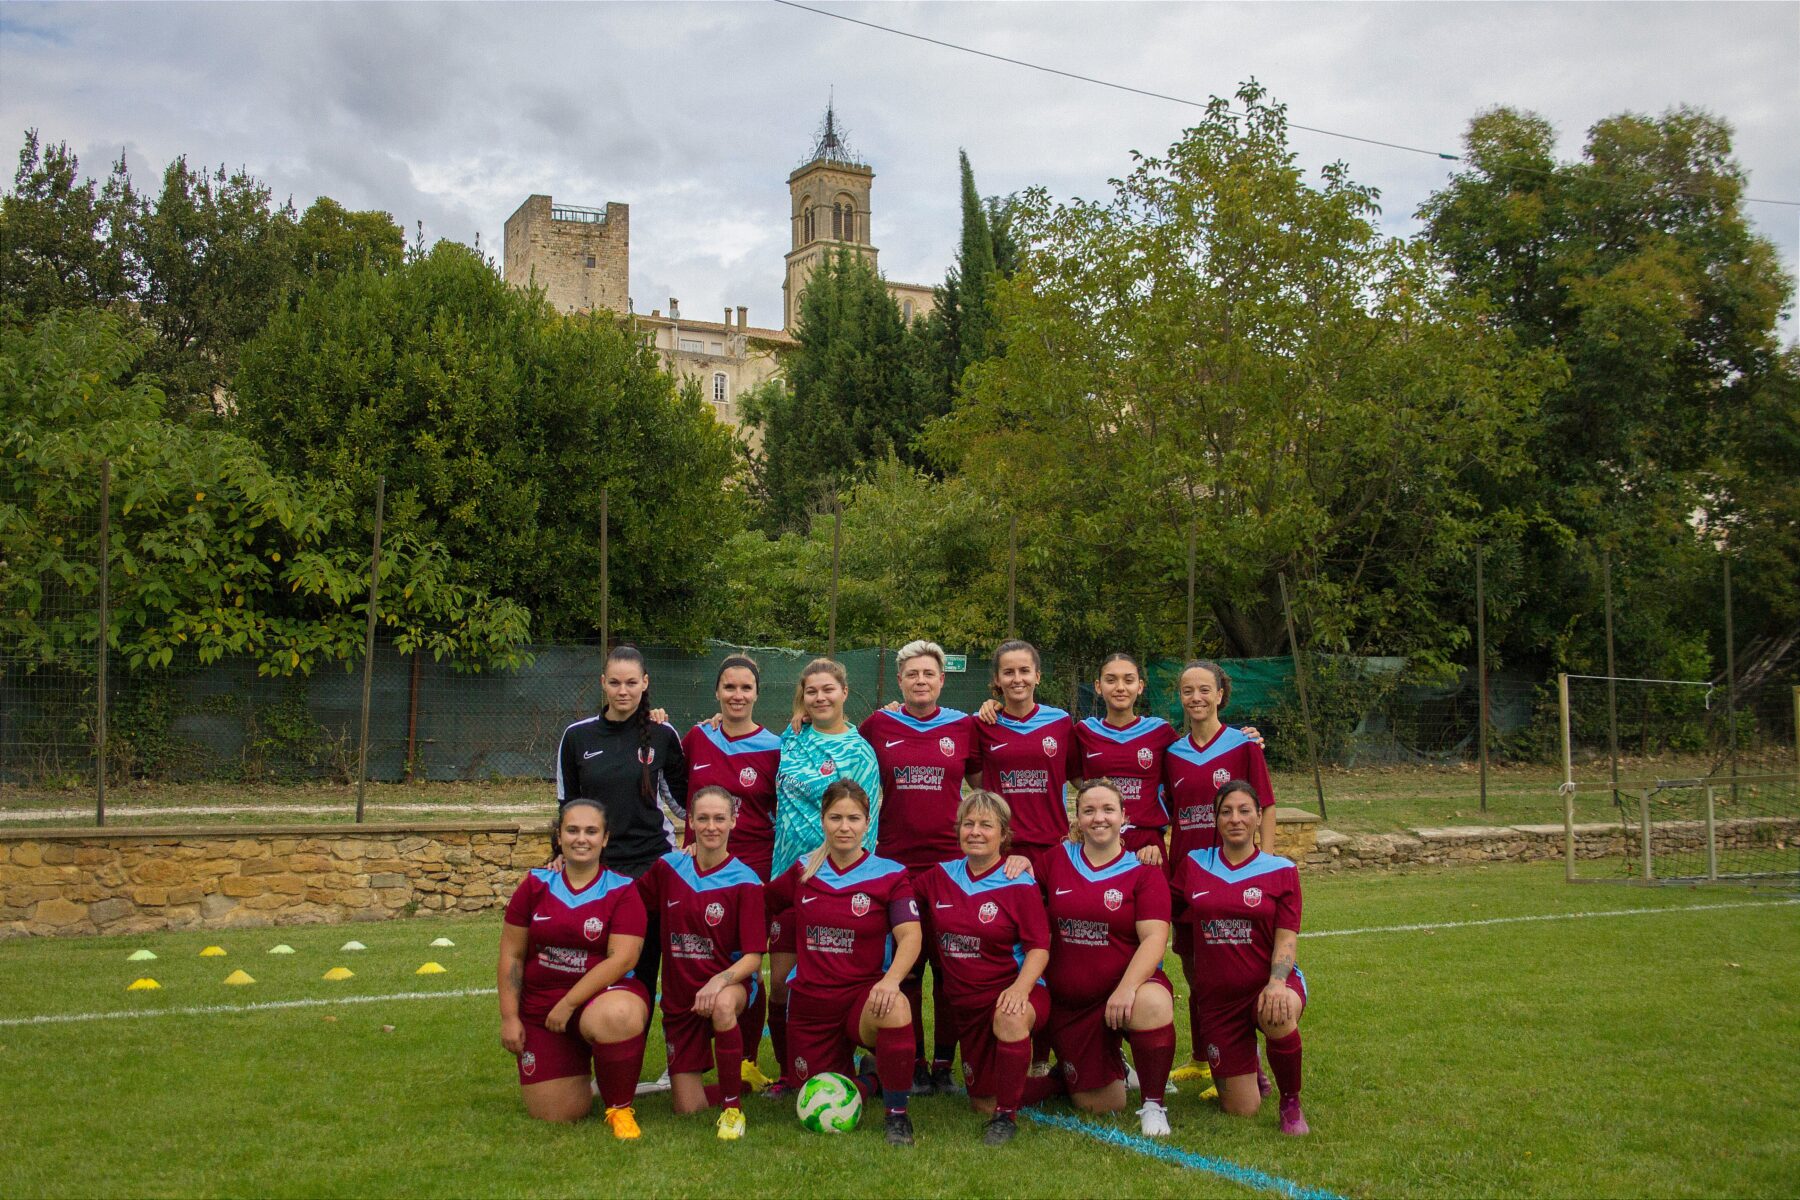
(1109,923)
(1027,752)
(710,906)
(858,937)
(567,994)
(924,751)
(990,937)
(1127,748)
(633,766)
(1242,906)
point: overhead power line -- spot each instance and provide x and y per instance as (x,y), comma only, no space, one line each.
(1183,100)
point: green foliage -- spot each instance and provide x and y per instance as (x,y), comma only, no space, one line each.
(497,423)
(63,240)
(1224,348)
(212,552)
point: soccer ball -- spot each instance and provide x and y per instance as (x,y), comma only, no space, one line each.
(829,1103)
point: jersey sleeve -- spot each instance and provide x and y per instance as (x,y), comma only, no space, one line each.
(779,895)
(628,918)
(1287,908)
(1259,776)
(689,741)
(753,921)
(675,771)
(1151,895)
(903,905)
(649,885)
(1178,881)
(568,767)
(1034,922)
(524,899)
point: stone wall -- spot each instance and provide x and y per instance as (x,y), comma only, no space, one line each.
(1464,844)
(85,881)
(582,265)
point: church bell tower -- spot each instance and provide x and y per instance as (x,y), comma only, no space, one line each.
(829,198)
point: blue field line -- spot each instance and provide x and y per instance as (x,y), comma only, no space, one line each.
(1249,1177)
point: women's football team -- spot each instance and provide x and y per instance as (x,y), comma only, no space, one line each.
(855,860)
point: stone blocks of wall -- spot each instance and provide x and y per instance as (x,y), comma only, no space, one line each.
(132,881)
(1460,845)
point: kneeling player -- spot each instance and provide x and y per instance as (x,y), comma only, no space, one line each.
(713,935)
(1243,906)
(567,995)
(858,936)
(992,940)
(1109,926)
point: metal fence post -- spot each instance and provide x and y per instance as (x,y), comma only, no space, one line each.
(837,543)
(605,583)
(1731,730)
(105,621)
(1568,786)
(1612,687)
(362,751)
(1481,684)
(1312,746)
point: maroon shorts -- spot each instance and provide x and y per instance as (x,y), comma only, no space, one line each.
(689,1036)
(782,926)
(1138,836)
(550,1055)
(980,1048)
(1227,1029)
(824,1032)
(1085,1045)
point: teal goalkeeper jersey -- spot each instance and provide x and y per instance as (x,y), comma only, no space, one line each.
(810,760)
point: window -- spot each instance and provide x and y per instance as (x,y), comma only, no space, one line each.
(716,347)
(837,222)
(590,261)
(806,220)
(906,312)
(693,344)
(719,396)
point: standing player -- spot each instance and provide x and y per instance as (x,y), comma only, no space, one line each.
(1027,752)
(1128,750)
(1243,907)
(1109,925)
(1194,769)
(992,941)
(567,995)
(733,752)
(632,765)
(711,908)
(924,751)
(859,935)
(814,755)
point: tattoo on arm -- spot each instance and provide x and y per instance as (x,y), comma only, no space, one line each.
(515,977)
(1283,964)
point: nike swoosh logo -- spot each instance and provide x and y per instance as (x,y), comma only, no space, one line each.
(807,899)
(941,904)
(1064,891)
(1095,753)
(592,754)
(672,904)
(891,745)
(540,918)
(1197,895)
(1000,745)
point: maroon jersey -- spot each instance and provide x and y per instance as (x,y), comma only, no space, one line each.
(1094,913)
(746,767)
(709,920)
(845,939)
(1026,761)
(568,931)
(1131,757)
(1234,913)
(922,760)
(1193,775)
(981,927)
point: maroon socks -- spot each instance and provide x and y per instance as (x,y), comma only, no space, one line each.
(751,1022)
(1153,1053)
(1284,1063)
(778,1040)
(728,1056)
(894,1063)
(616,1069)
(1012,1060)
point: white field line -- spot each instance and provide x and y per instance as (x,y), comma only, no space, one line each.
(207,1010)
(199,810)
(1576,916)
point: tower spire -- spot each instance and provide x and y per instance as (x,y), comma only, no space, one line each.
(829,143)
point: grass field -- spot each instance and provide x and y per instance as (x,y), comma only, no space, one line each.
(1641,1053)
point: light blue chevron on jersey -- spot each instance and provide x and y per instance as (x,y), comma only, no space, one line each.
(759,741)
(608,882)
(866,871)
(731,874)
(1212,861)
(944,716)
(1136,729)
(1044,715)
(1126,864)
(993,881)
(1228,739)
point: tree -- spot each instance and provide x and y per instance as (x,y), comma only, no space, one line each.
(1223,348)
(212,553)
(1637,270)
(497,423)
(63,239)
(853,395)
(960,329)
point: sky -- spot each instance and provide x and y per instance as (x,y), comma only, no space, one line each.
(694,113)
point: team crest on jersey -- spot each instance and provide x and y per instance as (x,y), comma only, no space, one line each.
(800,1068)
(1146,756)
(1253,896)
(747,777)
(1212,1054)
(1113,898)
(859,904)
(774,930)
(1221,777)
(988,912)
(647,755)
(827,767)
(1050,746)
(948,746)
(715,912)
(528,1063)
(591,929)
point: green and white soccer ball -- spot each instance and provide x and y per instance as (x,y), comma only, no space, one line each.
(829,1103)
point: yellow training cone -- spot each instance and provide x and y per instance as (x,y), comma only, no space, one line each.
(141,956)
(213,952)
(337,973)
(142,985)
(284,948)
(430,968)
(238,978)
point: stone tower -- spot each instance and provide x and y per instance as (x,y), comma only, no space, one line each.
(581,257)
(829,196)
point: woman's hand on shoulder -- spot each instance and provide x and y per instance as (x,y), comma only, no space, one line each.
(989,712)
(1015,866)
(660,716)
(1150,856)
(1253,733)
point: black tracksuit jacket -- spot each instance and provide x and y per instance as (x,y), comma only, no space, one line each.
(598,760)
